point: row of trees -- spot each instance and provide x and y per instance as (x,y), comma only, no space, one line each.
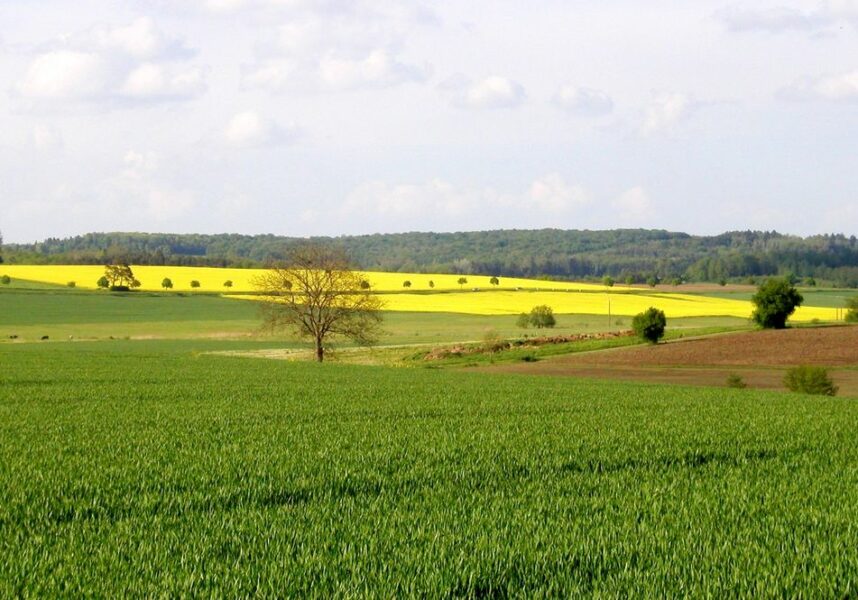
(634,256)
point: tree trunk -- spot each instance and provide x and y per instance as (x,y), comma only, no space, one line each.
(320,350)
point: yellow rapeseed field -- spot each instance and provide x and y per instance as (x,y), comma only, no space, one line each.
(212,279)
(477,296)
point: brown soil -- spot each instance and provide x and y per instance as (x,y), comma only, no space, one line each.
(826,346)
(759,357)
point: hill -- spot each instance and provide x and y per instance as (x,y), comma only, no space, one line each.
(625,254)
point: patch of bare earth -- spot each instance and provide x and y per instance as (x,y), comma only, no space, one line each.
(759,357)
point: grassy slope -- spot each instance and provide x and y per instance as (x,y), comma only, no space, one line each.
(138,467)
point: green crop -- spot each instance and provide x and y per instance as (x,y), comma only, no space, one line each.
(146,470)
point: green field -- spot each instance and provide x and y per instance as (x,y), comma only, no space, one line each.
(144,468)
(154,467)
(60,313)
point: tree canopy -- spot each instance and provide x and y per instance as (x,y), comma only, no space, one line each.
(317,294)
(776,299)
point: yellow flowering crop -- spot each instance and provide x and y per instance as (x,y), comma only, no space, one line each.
(477,296)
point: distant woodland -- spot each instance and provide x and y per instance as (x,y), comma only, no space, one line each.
(626,255)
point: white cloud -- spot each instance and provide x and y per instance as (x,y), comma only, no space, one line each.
(438,201)
(140,39)
(322,47)
(632,205)
(842,87)
(490,93)
(154,81)
(377,69)
(775,19)
(583,101)
(249,129)
(553,194)
(118,66)
(65,74)
(664,111)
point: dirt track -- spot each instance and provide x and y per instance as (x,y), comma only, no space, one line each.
(759,357)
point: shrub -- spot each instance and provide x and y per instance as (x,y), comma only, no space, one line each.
(523,321)
(542,316)
(167,283)
(71,284)
(494,281)
(652,282)
(195,284)
(608,281)
(852,310)
(227,283)
(650,324)
(364,284)
(5,280)
(775,301)
(736,381)
(431,284)
(810,380)
(103,283)
(406,284)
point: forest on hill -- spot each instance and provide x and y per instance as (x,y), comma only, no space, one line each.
(624,254)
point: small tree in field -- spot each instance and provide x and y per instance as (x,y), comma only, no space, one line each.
(810,380)
(852,310)
(608,281)
(228,283)
(195,284)
(5,280)
(431,284)
(542,316)
(120,277)
(462,281)
(775,301)
(102,283)
(316,294)
(652,281)
(364,284)
(406,284)
(167,283)
(650,324)
(523,321)
(494,281)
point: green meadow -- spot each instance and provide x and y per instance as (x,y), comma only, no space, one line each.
(156,467)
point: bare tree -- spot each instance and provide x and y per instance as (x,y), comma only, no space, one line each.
(316,294)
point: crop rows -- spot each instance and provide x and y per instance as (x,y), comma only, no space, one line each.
(159,472)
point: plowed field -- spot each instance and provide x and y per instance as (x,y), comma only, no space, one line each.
(760,357)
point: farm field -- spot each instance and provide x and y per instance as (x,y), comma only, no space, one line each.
(511,297)
(61,313)
(230,476)
(759,357)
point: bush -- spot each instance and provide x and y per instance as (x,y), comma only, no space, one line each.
(167,283)
(5,280)
(523,321)
(227,283)
(542,316)
(71,284)
(650,324)
(736,381)
(852,310)
(810,380)
(775,301)
(195,284)
(406,284)
(103,283)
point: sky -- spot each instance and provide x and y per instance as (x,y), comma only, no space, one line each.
(335,117)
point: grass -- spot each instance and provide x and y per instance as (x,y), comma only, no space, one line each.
(142,468)
(61,313)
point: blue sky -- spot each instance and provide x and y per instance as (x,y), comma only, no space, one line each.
(303,117)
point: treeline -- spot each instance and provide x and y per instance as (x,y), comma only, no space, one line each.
(626,255)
